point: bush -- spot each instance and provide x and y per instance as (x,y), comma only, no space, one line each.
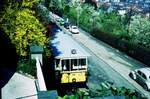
(27,67)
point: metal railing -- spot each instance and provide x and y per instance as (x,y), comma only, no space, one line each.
(41,82)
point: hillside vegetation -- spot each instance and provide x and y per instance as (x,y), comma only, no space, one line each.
(129,33)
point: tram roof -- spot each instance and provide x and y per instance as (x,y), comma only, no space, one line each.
(64,46)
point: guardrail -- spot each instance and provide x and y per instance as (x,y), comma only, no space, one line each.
(40,78)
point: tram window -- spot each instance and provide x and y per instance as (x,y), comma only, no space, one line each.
(65,64)
(57,62)
(83,62)
(73,62)
(62,63)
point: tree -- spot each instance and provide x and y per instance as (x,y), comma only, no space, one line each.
(111,23)
(26,29)
(139,31)
(29,3)
(22,26)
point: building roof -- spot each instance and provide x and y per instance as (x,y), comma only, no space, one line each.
(19,87)
(63,46)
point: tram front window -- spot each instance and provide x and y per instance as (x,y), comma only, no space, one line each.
(77,64)
(83,62)
(57,63)
(65,64)
(74,62)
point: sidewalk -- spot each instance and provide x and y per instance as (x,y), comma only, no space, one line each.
(19,87)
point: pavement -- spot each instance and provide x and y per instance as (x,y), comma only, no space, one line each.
(19,87)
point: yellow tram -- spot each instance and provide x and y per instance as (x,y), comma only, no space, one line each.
(70,59)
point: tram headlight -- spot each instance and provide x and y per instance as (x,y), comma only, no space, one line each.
(73,80)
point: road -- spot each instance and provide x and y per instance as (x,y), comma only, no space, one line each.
(114,64)
(107,63)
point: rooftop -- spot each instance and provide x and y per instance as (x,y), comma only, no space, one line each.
(19,86)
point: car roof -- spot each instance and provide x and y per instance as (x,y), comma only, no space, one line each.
(74,26)
(145,70)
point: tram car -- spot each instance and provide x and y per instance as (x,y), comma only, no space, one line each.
(70,59)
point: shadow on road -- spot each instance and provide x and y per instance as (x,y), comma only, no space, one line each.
(8,59)
(49,74)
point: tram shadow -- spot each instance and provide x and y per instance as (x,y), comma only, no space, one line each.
(49,73)
(48,62)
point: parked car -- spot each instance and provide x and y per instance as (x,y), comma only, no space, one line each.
(66,25)
(74,29)
(60,20)
(142,76)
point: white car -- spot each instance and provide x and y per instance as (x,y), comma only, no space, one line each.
(142,76)
(74,29)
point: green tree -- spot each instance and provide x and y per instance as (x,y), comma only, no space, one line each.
(22,26)
(139,31)
(111,23)
(26,29)
(29,3)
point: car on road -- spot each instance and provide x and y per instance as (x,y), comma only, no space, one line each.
(141,76)
(60,21)
(74,29)
(67,25)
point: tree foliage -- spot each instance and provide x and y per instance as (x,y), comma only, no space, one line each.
(22,26)
(139,30)
(29,3)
